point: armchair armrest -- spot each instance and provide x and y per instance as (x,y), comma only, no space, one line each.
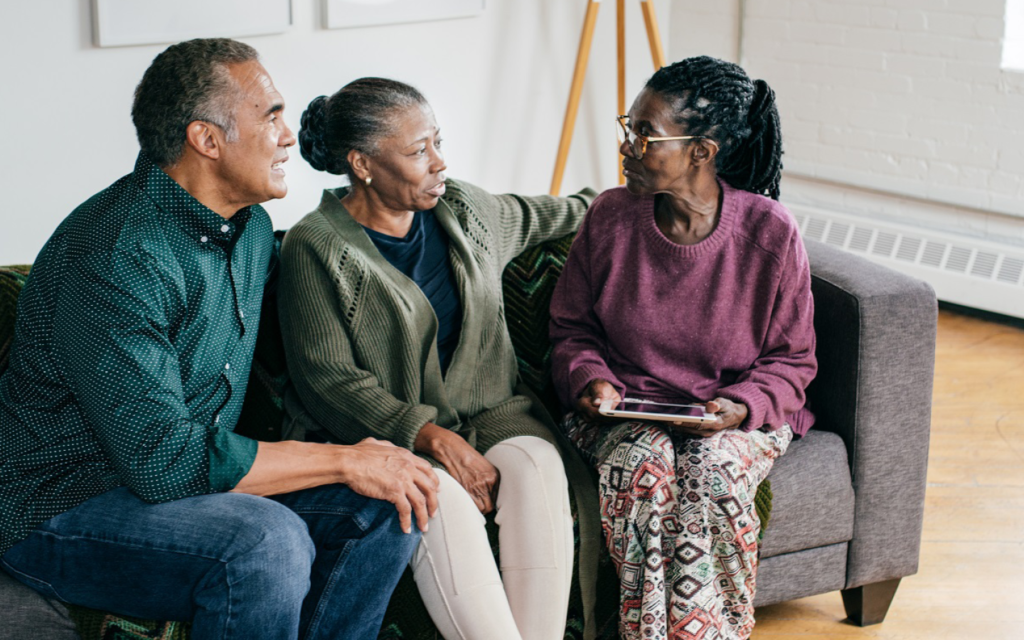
(876,356)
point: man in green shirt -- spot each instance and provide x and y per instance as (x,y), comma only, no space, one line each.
(123,486)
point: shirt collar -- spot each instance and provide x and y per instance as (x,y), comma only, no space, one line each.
(199,221)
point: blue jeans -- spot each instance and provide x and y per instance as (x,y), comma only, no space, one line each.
(318,563)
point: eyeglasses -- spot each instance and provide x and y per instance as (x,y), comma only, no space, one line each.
(638,143)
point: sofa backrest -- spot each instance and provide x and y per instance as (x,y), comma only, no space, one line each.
(12,279)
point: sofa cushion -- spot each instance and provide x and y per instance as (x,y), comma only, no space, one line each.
(28,614)
(813,497)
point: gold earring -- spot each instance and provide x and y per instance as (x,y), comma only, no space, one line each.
(368,180)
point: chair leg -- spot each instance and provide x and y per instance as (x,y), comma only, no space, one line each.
(868,604)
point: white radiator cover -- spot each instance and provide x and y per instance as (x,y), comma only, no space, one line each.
(971,272)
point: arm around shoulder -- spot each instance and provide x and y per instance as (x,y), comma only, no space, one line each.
(519,222)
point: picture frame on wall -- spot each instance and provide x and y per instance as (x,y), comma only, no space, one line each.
(119,23)
(344,14)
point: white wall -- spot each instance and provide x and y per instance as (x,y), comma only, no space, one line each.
(896,109)
(498,84)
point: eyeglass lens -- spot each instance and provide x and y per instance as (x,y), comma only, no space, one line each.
(626,133)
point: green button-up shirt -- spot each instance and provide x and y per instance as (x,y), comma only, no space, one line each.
(132,349)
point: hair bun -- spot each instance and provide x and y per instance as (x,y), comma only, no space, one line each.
(761,106)
(312,137)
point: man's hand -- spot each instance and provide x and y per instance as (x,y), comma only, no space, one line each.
(379,469)
(474,472)
(593,396)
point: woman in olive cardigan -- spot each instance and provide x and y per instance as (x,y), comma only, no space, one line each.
(394,328)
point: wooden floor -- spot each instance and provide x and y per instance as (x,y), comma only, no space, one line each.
(971,579)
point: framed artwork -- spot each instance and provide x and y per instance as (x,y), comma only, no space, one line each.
(118,23)
(341,14)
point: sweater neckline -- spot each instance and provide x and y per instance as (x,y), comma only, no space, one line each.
(717,238)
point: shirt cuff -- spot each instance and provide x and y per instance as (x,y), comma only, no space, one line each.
(231,457)
(753,398)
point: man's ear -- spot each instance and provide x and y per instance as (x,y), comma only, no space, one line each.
(204,138)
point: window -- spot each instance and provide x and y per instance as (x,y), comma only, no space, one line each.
(1013,42)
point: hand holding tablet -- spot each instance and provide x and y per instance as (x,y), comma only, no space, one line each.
(640,409)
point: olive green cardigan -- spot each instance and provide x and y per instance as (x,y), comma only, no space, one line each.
(361,338)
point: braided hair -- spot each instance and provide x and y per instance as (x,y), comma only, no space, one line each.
(717,99)
(358,116)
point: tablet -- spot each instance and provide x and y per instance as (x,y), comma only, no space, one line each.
(637,408)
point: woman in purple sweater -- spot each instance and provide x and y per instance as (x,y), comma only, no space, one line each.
(690,284)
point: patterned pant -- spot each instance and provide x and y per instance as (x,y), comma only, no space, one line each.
(678,517)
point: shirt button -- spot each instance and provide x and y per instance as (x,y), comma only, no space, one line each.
(216,418)
(204,239)
(227,366)
(225,228)
(241,314)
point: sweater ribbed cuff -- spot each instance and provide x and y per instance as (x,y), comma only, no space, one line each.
(583,375)
(410,423)
(749,394)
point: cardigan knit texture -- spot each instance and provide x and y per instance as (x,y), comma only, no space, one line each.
(360,336)
(731,316)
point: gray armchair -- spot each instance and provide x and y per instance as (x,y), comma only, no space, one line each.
(849,497)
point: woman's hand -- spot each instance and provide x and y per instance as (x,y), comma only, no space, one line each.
(730,416)
(477,476)
(594,395)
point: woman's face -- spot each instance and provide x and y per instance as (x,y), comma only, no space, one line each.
(666,166)
(408,169)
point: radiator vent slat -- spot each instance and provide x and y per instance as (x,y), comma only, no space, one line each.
(884,244)
(861,239)
(837,234)
(908,249)
(816,228)
(933,254)
(958,259)
(984,264)
(1011,270)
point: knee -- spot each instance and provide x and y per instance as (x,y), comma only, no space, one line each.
(272,539)
(531,462)
(384,528)
(642,461)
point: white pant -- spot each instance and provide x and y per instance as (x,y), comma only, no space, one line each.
(455,570)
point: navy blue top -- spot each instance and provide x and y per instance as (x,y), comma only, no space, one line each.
(422,255)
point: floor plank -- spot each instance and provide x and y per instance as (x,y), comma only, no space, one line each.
(971,578)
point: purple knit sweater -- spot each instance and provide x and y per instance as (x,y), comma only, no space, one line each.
(731,316)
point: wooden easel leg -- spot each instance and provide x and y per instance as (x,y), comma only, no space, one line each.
(582,57)
(620,21)
(653,35)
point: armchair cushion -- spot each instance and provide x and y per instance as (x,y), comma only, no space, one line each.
(813,497)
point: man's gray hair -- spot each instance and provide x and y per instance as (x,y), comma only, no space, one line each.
(188,81)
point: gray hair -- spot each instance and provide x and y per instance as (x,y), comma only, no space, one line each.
(358,116)
(188,81)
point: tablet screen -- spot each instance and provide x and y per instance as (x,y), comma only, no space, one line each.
(647,406)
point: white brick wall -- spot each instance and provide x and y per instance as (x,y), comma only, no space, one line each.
(893,98)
